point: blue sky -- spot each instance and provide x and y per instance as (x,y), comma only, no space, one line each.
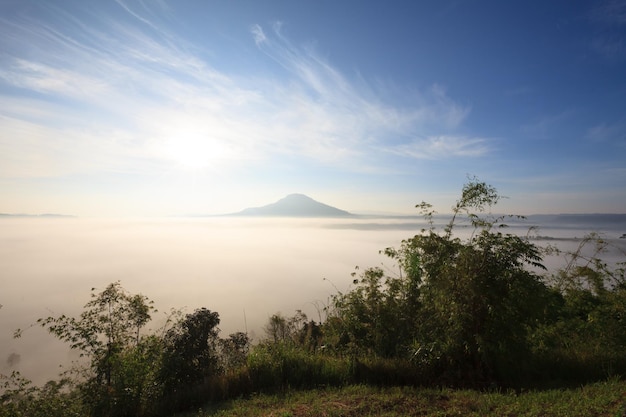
(149,108)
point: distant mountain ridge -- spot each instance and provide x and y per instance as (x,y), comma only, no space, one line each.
(583,218)
(295,205)
(54,215)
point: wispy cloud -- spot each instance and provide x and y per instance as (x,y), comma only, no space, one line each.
(258,34)
(546,126)
(611,47)
(42,78)
(609,16)
(608,133)
(156,89)
(610,12)
(439,147)
(339,113)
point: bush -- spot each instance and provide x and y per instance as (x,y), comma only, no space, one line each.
(463,307)
(281,366)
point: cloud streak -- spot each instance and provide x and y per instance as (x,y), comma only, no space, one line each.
(609,16)
(438,147)
(125,90)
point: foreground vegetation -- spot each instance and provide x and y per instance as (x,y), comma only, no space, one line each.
(599,399)
(477,313)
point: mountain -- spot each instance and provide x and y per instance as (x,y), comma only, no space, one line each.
(580,219)
(295,205)
(48,215)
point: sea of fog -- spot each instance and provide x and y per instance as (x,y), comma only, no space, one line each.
(246,269)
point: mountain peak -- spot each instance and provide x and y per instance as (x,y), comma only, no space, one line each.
(298,195)
(296,205)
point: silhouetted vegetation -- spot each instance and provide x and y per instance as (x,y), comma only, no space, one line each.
(475,312)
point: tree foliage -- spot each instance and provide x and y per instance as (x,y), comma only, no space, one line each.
(463,305)
(108,334)
(190,357)
(190,352)
(19,397)
(130,371)
(234,350)
(587,336)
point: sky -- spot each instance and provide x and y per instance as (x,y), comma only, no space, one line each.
(163,107)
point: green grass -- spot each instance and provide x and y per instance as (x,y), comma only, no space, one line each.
(598,399)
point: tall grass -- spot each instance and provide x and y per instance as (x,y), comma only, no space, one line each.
(283,366)
(606,398)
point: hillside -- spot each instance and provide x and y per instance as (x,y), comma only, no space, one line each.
(295,205)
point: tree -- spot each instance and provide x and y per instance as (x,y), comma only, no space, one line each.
(587,336)
(280,329)
(120,360)
(376,317)
(277,328)
(234,350)
(463,306)
(190,356)
(19,397)
(478,295)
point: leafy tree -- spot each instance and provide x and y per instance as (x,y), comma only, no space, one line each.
(280,329)
(478,295)
(120,360)
(310,336)
(234,350)
(375,317)
(277,328)
(586,269)
(19,397)
(587,338)
(190,356)
(463,306)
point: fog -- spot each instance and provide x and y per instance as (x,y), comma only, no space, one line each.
(246,269)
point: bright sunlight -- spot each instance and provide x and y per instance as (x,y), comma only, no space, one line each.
(194,151)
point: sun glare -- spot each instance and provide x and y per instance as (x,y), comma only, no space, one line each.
(194,151)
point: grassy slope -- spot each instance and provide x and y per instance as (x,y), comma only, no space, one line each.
(599,399)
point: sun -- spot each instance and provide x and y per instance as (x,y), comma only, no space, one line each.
(194,151)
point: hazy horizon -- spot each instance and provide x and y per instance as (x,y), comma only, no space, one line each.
(364,213)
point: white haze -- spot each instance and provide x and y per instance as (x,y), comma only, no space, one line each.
(246,269)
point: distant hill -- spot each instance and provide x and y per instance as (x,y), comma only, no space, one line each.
(48,215)
(295,205)
(591,221)
(579,219)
